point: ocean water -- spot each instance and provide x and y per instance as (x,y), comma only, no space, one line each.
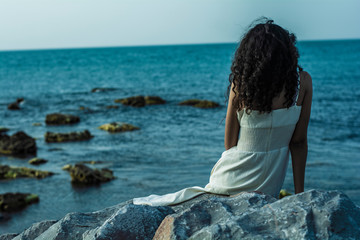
(177,145)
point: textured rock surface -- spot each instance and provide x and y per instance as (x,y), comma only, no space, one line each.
(52,137)
(9,172)
(81,173)
(17,144)
(60,119)
(118,127)
(199,103)
(37,161)
(310,215)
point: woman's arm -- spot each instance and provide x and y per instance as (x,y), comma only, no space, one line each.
(298,144)
(231,124)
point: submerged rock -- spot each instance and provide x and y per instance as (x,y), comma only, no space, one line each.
(61,119)
(141,101)
(310,215)
(52,137)
(9,172)
(17,144)
(37,161)
(16,201)
(83,174)
(118,127)
(200,103)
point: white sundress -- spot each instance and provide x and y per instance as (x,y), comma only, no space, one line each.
(257,163)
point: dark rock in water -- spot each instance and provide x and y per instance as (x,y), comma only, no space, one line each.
(112,107)
(199,103)
(14,106)
(118,127)
(102,89)
(52,137)
(17,144)
(3,129)
(81,173)
(61,119)
(8,172)
(37,161)
(310,215)
(16,201)
(19,100)
(141,101)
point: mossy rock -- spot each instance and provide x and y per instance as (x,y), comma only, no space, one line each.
(3,129)
(284,193)
(37,124)
(37,161)
(118,127)
(19,144)
(9,172)
(16,201)
(154,100)
(51,137)
(200,103)
(141,101)
(82,174)
(61,119)
(91,162)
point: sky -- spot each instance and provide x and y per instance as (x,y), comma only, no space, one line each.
(46,24)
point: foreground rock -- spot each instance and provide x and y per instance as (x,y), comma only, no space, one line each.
(141,101)
(310,215)
(83,174)
(61,119)
(200,103)
(118,127)
(16,201)
(18,144)
(52,137)
(9,172)
(37,161)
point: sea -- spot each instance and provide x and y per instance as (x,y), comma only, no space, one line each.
(176,146)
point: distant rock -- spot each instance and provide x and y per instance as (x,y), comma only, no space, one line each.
(37,124)
(141,101)
(310,215)
(52,137)
(88,162)
(112,107)
(14,106)
(61,119)
(98,89)
(37,161)
(118,127)
(3,130)
(200,103)
(18,144)
(9,172)
(83,174)
(16,201)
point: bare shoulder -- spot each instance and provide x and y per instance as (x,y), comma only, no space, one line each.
(305,80)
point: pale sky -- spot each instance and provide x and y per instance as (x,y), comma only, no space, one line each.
(42,24)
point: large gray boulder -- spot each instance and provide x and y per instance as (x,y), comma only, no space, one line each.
(310,215)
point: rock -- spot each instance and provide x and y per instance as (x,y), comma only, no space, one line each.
(9,172)
(112,107)
(60,119)
(35,230)
(17,144)
(52,137)
(19,100)
(14,106)
(4,217)
(37,161)
(16,201)
(200,103)
(91,162)
(313,214)
(37,124)
(102,89)
(3,129)
(118,127)
(81,173)
(284,193)
(140,101)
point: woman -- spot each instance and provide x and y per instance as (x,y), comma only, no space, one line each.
(267,117)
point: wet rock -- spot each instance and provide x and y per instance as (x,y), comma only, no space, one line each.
(3,129)
(37,161)
(200,103)
(112,107)
(118,127)
(283,193)
(9,172)
(61,119)
(37,124)
(102,89)
(16,201)
(83,174)
(17,144)
(140,101)
(52,137)
(15,105)
(35,230)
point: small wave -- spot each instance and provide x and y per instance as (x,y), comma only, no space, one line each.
(341,137)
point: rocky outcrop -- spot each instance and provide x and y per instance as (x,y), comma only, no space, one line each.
(61,119)
(9,172)
(17,144)
(16,201)
(15,105)
(37,161)
(309,215)
(115,127)
(83,174)
(52,137)
(141,101)
(200,103)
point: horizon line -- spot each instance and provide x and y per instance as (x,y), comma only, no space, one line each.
(158,45)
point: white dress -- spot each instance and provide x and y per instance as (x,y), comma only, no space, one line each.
(257,163)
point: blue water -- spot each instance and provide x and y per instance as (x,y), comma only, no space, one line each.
(177,145)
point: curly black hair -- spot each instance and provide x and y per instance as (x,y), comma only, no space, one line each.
(265,63)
